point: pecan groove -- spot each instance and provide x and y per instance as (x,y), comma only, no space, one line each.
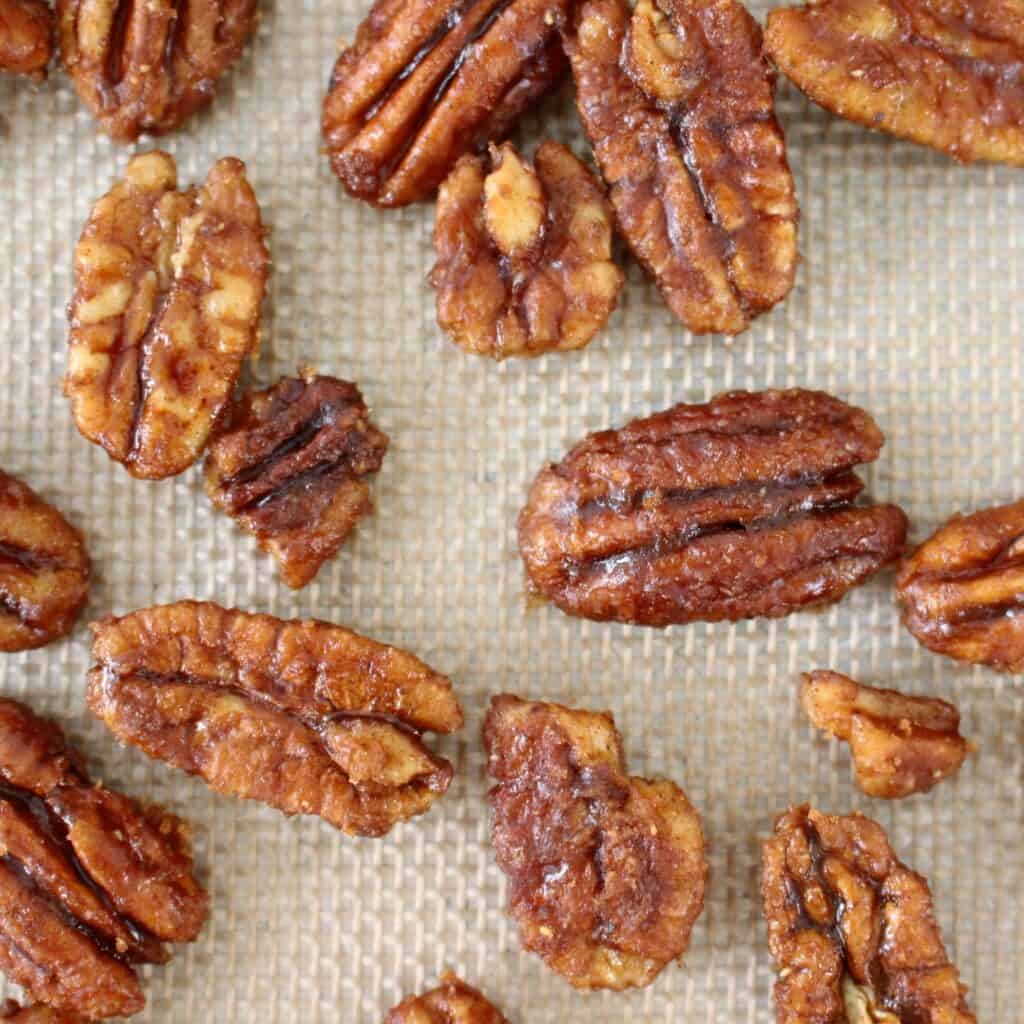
(452,1002)
(26,36)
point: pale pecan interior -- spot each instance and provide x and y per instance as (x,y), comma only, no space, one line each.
(452,1002)
(26,36)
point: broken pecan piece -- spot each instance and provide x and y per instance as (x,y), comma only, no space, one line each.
(947,75)
(679,108)
(606,871)
(305,716)
(166,308)
(900,744)
(452,1002)
(429,80)
(91,882)
(26,36)
(738,508)
(851,928)
(524,254)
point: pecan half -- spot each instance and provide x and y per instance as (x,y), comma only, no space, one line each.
(305,716)
(429,80)
(146,67)
(289,469)
(44,570)
(851,928)
(91,882)
(26,36)
(900,744)
(166,308)
(37,1014)
(734,509)
(944,74)
(679,108)
(606,871)
(452,1002)
(524,254)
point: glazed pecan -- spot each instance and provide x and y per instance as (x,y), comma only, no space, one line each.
(305,716)
(452,1002)
(851,928)
(524,254)
(26,36)
(738,508)
(606,871)
(146,67)
(429,80)
(679,108)
(944,74)
(900,744)
(166,308)
(37,1014)
(44,570)
(91,882)
(289,469)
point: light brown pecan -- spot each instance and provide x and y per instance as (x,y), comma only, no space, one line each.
(146,67)
(290,467)
(679,108)
(26,36)
(606,871)
(91,882)
(851,928)
(943,73)
(166,308)
(429,80)
(305,716)
(452,1002)
(37,1014)
(524,254)
(738,508)
(900,744)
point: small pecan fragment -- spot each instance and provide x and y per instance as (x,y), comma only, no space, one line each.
(679,108)
(900,744)
(734,509)
(166,308)
(429,80)
(305,716)
(37,1014)
(26,36)
(606,871)
(452,1002)
(945,74)
(91,882)
(289,469)
(524,254)
(851,928)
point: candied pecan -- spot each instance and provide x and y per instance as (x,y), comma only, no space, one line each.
(851,928)
(679,108)
(452,1002)
(900,744)
(606,871)
(166,308)
(26,36)
(429,80)
(944,74)
(524,255)
(738,508)
(91,882)
(305,716)
(37,1014)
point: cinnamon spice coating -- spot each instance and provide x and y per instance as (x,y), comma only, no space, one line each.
(452,1002)
(26,36)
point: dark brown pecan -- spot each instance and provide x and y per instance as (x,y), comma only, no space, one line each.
(305,716)
(739,508)
(606,871)
(146,67)
(91,882)
(900,744)
(26,36)
(166,308)
(851,928)
(37,1014)
(679,108)
(945,74)
(44,570)
(429,80)
(453,1002)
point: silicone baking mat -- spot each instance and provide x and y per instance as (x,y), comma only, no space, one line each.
(908,302)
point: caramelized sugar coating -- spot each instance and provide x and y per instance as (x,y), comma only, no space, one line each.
(429,80)
(900,744)
(851,928)
(606,871)
(91,881)
(945,73)
(738,508)
(37,1014)
(679,108)
(305,716)
(452,1002)
(166,308)
(26,36)
(290,468)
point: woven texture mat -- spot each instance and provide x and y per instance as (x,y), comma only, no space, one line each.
(908,302)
